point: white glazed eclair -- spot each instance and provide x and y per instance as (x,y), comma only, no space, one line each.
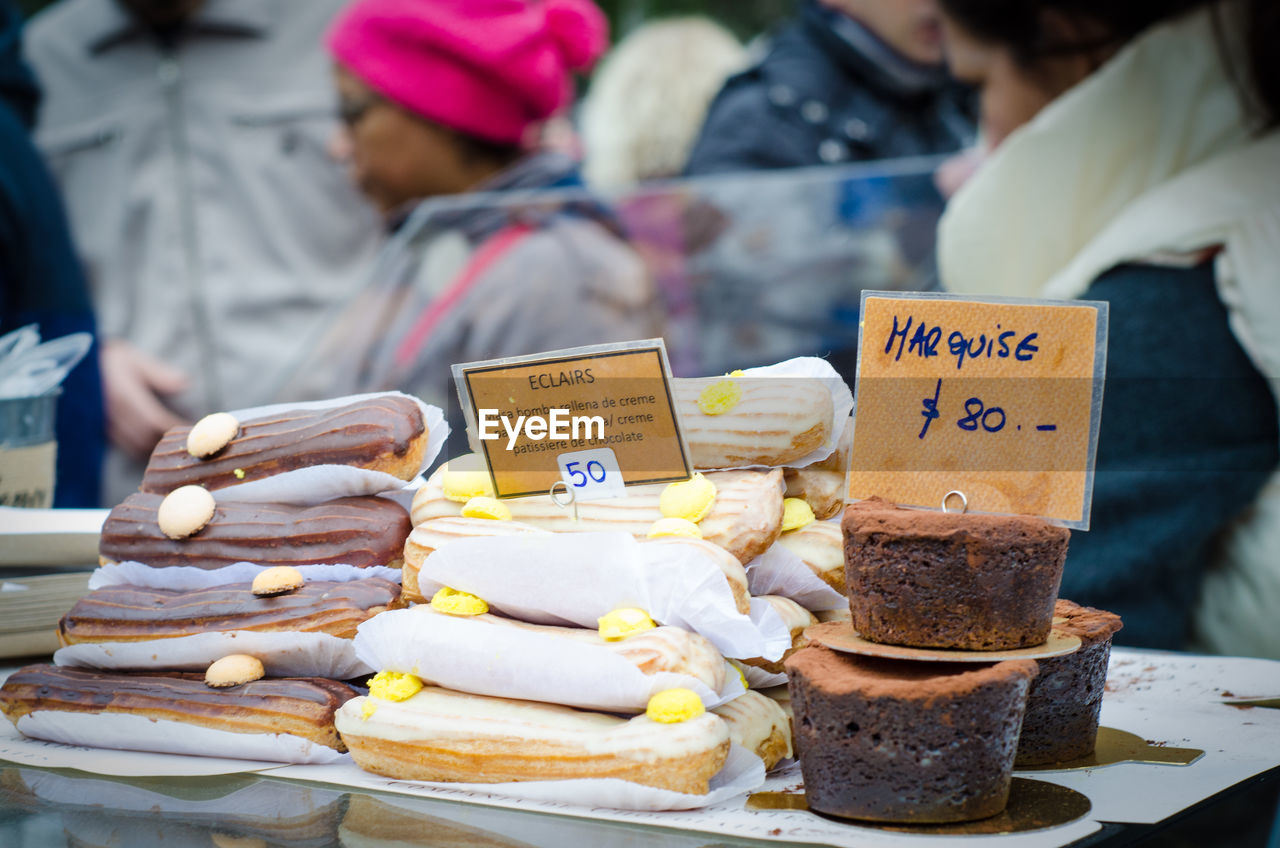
(731,422)
(441,735)
(744,520)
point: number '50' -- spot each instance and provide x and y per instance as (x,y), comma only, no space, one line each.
(579,479)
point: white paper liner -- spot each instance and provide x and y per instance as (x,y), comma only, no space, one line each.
(184,578)
(575,578)
(283,654)
(743,772)
(490,659)
(141,733)
(780,571)
(758,678)
(16,748)
(320,483)
(813,367)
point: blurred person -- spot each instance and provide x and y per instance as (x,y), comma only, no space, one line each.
(846,80)
(190,141)
(41,280)
(648,99)
(1137,161)
(496,249)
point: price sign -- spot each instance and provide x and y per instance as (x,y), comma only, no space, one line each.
(592,475)
(999,399)
(597,418)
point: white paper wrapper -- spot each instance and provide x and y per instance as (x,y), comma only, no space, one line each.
(285,654)
(779,571)
(487,659)
(320,483)
(575,578)
(140,733)
(743,772)
(182,578)
(16,748)
(841,398)
(758,678)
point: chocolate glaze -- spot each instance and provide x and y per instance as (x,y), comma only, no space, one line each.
(358,434)
(1065,700)
(888,740)
(129,613)
(169,694)
(361,531)
(947,580)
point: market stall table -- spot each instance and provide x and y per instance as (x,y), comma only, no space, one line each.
(1177,701)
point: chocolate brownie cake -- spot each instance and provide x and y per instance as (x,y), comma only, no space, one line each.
(886,740)
(946,580)
(1066,697)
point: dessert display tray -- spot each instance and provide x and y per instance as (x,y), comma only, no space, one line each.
(840,636)
(1166,700)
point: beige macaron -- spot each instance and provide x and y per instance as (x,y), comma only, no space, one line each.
(211,434)
(185,511)
(277,580)
(233,670)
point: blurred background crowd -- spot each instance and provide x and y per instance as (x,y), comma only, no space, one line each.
(260,201)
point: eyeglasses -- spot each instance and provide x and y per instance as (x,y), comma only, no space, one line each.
(351,112)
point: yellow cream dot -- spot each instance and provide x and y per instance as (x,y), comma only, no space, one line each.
(368,709)
(394,686)
(461,486)
(737,372)
(453,602)
(742,675)
(677,527)
(239,472)
(482,506)
(674,705)
(624,622)
(690,499)
(796,513)
(720,397)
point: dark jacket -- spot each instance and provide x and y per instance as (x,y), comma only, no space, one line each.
(41,280)
(1187,440)
(828,91)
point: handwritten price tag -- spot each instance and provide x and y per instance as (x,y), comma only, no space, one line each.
(592,475)
(999,400)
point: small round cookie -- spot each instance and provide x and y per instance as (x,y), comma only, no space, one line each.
(233,670)
(185,511)
(211,434)
(277,580)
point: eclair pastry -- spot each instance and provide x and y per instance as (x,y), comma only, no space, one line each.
(360,531)
(751,420)
(744,520)
(662,649)
(432,534)
(758,724)
(301,707)
(796,618)
(138,614)
(384,433)
(441,735)
(820,545)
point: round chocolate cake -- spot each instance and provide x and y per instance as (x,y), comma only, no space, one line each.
(930,579)
(1066,696)
(893,741)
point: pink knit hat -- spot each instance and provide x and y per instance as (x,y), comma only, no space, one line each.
(490,68)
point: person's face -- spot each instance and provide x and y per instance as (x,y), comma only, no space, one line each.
(911,27)
(162,13)
(394,157)
(1011,94)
